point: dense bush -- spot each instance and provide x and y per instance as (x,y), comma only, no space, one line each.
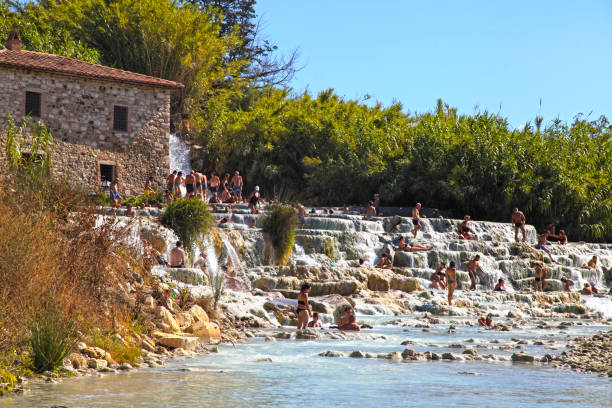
(279,225)
(189,218)
(328,151)
(156,199)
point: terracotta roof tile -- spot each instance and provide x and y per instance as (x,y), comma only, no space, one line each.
(38,61)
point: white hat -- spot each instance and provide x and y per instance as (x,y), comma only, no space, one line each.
(256,188)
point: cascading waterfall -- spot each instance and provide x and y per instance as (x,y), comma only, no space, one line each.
(179,157)
(236,262)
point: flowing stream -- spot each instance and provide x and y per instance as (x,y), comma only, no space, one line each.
(289,373)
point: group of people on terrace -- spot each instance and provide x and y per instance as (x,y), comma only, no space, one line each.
(445,277)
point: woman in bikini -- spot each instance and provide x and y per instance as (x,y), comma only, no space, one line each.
(451,278)
(465,232)
(303,308)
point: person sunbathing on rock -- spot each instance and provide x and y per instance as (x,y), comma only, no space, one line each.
(500,286)
(587,289)
(315,320)
(465,232)
(451,279)
(472,267)
(542,244)
(592,264)
(351,325)
(412,247)
(384,262)
(567,283)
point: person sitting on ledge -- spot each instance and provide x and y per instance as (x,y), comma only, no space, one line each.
(177,256)
(361,263)
(501,285)
(567,283)
(594,289)
(253,224)
(369,211)
(587,289)
(351,325)
(542,244)
(129,212)
(562,238)
(436,283)
(202,264)
(384,262)
(465,232)
(315,320)
(412,247)
(592,264)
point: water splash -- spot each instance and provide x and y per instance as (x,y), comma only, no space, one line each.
(179,157)
(236,262)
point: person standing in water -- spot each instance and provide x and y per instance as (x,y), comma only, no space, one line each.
(472,267)
(539,278)
(451,279)
(416,220)
(519,221)
(254,201)
(303,308)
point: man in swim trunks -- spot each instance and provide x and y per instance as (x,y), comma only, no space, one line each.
(214,183)
(519,221)
(170,180)
(237,183)
(190,184)
(472,267)
(114,192)
(416,219)
(542,245)
(177,256)
(451,279)
(539,277)
(301,210)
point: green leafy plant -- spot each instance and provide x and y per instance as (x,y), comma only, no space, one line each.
(190,219)
(218,287)
(52,337)
(280,225)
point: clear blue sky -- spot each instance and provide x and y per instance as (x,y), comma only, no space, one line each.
(468,53)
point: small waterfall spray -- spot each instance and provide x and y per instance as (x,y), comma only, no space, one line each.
(236,262)
(179,157)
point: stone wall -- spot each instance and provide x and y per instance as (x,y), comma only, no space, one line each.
(79,115)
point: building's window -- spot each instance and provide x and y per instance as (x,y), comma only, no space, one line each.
(107,173)
(32,105)
(120,118)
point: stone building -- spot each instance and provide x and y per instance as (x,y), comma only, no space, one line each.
(105,122)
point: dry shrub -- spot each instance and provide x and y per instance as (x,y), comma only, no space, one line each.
(51,255)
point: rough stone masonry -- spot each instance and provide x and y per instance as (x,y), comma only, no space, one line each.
(78,111)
